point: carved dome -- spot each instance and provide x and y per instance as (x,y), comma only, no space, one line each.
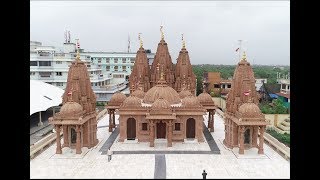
(190,101)
(185,93)
(164,91)
(205,98)
(138,93)
(71,109)
(117,98)
(250,110)
(131,102)
(161,104)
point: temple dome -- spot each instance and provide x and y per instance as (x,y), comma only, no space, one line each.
(249,110)
(161,103)
(190,101)
(164,91)
(185,93)
(71,109)
(138,93)
(205,98)
(117,98)
(131,102)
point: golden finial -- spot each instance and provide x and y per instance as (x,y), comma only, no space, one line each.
(183,42)
(162,35)
(244,56)
(141,43)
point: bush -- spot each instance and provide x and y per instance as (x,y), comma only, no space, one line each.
(277,108)
(100,104)
(284,138)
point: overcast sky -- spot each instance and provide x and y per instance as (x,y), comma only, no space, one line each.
(211,28)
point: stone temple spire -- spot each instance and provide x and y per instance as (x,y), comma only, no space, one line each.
(183,71)
(162,58)
(140,72)
(242,87)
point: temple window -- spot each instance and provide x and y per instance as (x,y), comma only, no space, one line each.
(177,126)
(144,126)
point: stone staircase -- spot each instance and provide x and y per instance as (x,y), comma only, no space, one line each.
(285,126)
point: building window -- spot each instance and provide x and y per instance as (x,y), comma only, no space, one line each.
(33,63)
(118,75)
(59,84)
(288,87)
(99,61)
(216,86)
(177,126)
(124,68)
(58,73)
(45,74)
(115,60)
(144,126)
(44,63)
(58,62)
(283,86)
(116,68)
(229,85)
(108,60)
(124,60)
(32,73)
(132,60)
(108,68)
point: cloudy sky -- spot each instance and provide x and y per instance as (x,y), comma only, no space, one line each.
(211,28)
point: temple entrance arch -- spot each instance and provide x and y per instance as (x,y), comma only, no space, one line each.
(161,130)
(247,137)
(73,135)
(191,130)
(131,129)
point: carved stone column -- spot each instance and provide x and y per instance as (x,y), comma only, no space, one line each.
(209,119)
(113,119)
(110,120)
(65,136)
(170,133)
(255,137)
(78,142)
(58,150)
(151,133)
(261,140)
(212,121)
(241,147)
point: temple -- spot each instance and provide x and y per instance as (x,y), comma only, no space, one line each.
(162,102)
(77,116)
(243,118)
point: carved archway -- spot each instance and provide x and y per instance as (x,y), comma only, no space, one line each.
(191,128)
(131,129)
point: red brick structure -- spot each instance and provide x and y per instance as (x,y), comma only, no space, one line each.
(77,117)
(160,112)
(243,118)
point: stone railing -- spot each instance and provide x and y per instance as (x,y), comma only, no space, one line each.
(282,149)
(42,144)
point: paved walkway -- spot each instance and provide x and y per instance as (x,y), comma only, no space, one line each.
(160,166)
(110,141)
(212,143)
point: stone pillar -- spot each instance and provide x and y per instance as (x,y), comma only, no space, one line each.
(241,143)
(255,136)
(212,121)
(170,133)
(261,140)
(40,120)
(58,150)
(78,142)
(225,141)
(65,136)
(110,120)
(151,133)
(113,119)
(209,118)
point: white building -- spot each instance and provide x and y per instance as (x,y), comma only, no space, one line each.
(109,71)
(259,83)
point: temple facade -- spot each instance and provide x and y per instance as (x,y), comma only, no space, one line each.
(77,116)
(162,103)
(243,118)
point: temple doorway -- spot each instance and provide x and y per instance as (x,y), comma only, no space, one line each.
(191,130)
(131,129)
(161,130)
(73,136)
(247,136)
